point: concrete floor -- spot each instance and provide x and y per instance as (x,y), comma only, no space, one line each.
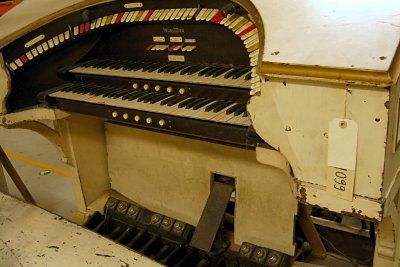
(53,191)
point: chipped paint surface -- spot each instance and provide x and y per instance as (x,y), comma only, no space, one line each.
(293,116)
(31,236)
(312,23)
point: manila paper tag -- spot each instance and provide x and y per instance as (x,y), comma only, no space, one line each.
(342,156)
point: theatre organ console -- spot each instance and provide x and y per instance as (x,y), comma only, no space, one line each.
(200,125)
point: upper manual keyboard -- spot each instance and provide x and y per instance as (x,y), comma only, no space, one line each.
(239,77)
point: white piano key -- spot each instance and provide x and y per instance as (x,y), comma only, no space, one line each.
(103,21)
(98,23)
(93,24)
(13,66)
(186,14)
(35,53)
(29,55)
(155,12)
(61,37)
(67,35)
(45,46)
(201,13)
(212,14)
(76,30)
(173,16)
(180,13)
(124,16)
(206,13)
(114,18)
(169,14)
(40,49)
(19,62)
(191,14)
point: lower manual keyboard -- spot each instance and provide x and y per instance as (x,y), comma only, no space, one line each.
(183,106)
(199,117)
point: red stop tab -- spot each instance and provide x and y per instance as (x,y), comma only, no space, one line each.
(247,30)
(148,15)
(24,59)
(82,28)
(119,17)
(87,26)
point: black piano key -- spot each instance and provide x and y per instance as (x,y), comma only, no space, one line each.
(152,66)
(69,87)
(110,92)
(176,100)
(230,73)
(165,101)
(88,63)
(221,106)
(128,95)
(204,71)
(213,105)
(178,68)
(240,110)
(212,71)
(106,63)
(121,93)
(195,69)
(168,69)
(191,104)
(234,108)
(220,72)
(96,90)
(167,65)
(131,65)
(248,76)
(186,70)
(79,89)
(202,104)
(172,255)
(102,91)
(186,102)
(119,65)
(147,97)
(98,63)
(240,73)
(141,66)
(159,98)
(85,90)
(138,94)
(137,237)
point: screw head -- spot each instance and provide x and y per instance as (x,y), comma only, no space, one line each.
(178,227)
(133,211)
(167,222)
(273,258)
(122,206)
(111,203)
(259,253)
(155,219)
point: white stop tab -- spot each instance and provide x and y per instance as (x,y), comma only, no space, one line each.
(342,157)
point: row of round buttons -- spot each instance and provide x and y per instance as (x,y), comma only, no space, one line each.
(157,88)
(137,118)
